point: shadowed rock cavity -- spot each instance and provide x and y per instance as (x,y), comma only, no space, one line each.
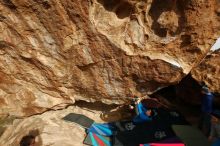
(121,8)
(168,17)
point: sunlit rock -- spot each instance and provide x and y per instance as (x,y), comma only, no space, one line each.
(53,53)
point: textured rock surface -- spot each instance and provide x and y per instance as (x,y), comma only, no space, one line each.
(55,52)
(209,71)
(49,128)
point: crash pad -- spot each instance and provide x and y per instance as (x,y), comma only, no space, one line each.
(190,135)
(79,119)
(97,140)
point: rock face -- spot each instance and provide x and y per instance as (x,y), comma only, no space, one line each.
(49,129)
(209,71)
(55,52)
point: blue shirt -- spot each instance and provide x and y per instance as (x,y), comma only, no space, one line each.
(141,117)
(207,102)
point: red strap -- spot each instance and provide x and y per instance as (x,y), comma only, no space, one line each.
(100,142)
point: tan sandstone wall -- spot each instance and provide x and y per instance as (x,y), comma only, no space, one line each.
(209,71)
(53,52)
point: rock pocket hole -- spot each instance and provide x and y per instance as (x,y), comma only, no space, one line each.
(124,10)
(186,40)
(120,8)
(167,16)
(46,5)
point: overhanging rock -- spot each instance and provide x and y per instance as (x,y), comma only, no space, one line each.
(55,52)
(209,71)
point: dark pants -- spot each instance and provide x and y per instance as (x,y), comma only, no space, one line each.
(205,123)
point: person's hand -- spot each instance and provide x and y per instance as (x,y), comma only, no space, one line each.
(131,107)
(139,100)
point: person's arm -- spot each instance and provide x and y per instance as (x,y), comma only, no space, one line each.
(141,108)
(142,112)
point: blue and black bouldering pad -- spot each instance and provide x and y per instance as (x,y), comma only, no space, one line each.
(79,119)
(158,129)
(124,126)
(143,133)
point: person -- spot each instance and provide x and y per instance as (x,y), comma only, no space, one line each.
(215,128)
(143,114)
(206,109)
(133,103)
(28,140)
